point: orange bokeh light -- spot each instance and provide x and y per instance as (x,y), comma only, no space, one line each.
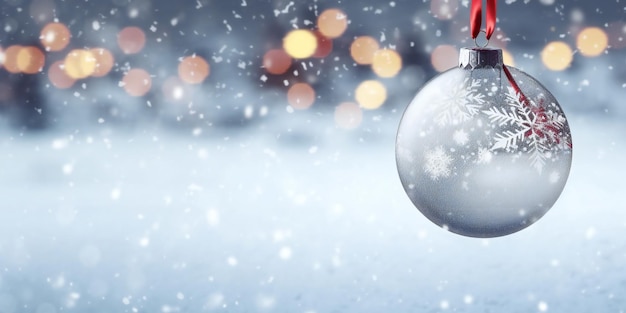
(444,57)
(104,61)
(137,82)
(10,59)
(301,96)
(332,23)
(55,36)
(193,69)
(30,60)
(362,49)
(276,61)
(58,77)
(131,40)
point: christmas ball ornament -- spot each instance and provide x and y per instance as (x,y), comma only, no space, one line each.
(483,150)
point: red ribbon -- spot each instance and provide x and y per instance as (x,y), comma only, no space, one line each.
(476,17)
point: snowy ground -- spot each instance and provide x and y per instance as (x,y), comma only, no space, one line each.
(308,220)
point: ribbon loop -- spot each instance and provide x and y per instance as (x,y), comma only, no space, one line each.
(476,18)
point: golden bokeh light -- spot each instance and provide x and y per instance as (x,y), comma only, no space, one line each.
(371,94)
(444,57)
(386,63)
(58,77)
(104,61)
(80,63)
(332,23)
(10,59)
(301,96)
(348,115)
(300,43)
(324,45)
(137,82)
(592,41)
(193,69)
(507,58)
(276,61)
(557,56)
(30,60)
(444,9)
(131,40)
(363,48)
(55,36)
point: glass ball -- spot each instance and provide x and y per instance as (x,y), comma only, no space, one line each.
(483,150)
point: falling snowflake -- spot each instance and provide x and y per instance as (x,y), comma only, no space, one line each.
(461,103)
(437,163)
(460,137)
(532,128)
(484,156)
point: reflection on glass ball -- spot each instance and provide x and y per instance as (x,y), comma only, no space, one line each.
(480,153)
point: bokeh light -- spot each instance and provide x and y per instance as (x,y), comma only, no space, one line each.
(80,63)
(444,9)
(617,35)
(131,40)
(332,23)
(10,59)
(324,45)
(557,56)
(507,58)
(42,10)
(276,61)
(386,63)
(104,61)
(174,89)
(371,94)
(592,41)
(444,57)
(58,77)
(55,36)
(348,115)
(137,82)
(300,43)
(30,60)
(363,48)
(193,69)
(301,96)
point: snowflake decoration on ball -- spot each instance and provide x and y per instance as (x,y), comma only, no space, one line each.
(462,103)
(437,163)
(531,127)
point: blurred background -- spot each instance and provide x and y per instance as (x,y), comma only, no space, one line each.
(238,156)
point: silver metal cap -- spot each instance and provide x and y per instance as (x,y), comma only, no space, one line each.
(480,58)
